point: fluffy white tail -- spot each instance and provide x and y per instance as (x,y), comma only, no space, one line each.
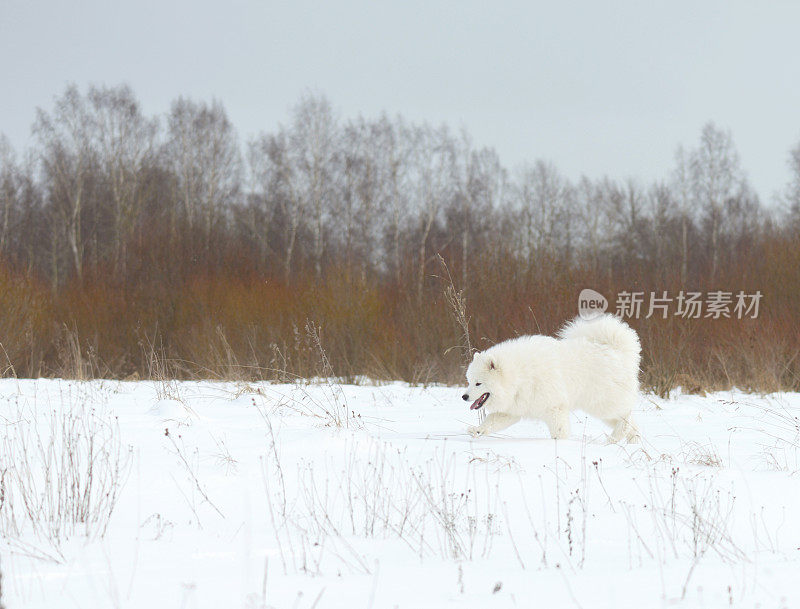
(604,330)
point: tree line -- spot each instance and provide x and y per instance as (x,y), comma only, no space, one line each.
(147,207)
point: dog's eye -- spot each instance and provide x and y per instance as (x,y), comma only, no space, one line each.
(477,384)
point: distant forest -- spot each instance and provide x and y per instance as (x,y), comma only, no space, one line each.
(149,247)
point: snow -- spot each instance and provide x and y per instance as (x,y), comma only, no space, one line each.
(321,495)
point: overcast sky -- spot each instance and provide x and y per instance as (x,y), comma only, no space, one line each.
(596,87)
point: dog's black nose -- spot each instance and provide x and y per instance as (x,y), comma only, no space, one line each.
(465,397)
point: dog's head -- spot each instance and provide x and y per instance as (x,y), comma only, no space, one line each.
(482,377)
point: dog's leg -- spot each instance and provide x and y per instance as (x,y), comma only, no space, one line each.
(617,430)
(631,430)
(624,428)
(496,421)
(558,424)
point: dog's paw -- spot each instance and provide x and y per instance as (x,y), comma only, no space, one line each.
(475,431)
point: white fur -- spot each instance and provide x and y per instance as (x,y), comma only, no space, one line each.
(592,366)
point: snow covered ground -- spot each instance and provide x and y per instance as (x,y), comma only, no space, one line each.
(223,495)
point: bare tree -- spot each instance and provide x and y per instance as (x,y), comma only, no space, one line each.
(544,198)
(434,167)
(661,213)
(480,189)
(792,192)
(202,151)
(743,219)
(312,144)
(68,159)
(364,191)
(594,229)
(9,187)
(626,207)
(124,140)
(273,169)
(716,177)
(259,209)
(682,186)
(359,180)
(397,143)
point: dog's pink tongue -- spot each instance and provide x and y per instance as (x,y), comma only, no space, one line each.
(478,403)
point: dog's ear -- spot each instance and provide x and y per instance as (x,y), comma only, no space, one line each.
(475,355)
(492,365)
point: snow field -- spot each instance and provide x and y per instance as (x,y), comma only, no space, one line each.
(204,494)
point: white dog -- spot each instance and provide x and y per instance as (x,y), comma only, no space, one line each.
(592,366)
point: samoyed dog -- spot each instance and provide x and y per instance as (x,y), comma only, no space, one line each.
(592,366)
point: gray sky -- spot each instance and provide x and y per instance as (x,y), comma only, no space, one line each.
(596,87)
